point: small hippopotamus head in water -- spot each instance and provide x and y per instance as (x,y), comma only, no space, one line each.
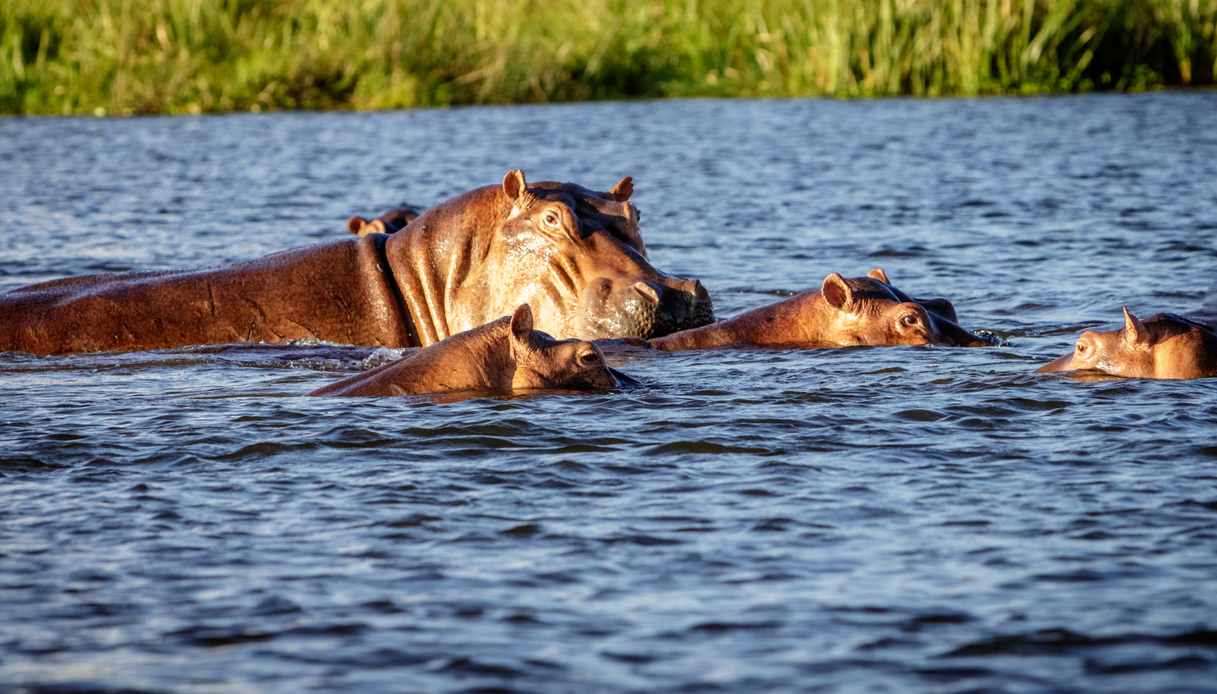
(860,311)
(1162,346)
(389,222)
(596,275)
(504,356)
(870,311)
(541,362)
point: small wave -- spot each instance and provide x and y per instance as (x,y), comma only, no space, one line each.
(1057,641)
(710,448)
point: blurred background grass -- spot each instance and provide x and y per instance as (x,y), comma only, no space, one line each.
(192,56)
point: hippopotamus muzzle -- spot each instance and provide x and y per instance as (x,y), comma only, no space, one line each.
(1064,363)
(953,334)
(680,304)
(623,380)
(644,308)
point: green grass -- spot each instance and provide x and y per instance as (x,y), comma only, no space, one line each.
(191,56)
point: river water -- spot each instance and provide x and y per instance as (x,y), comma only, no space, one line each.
(871,519)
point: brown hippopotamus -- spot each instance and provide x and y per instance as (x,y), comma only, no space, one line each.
(567,251)
(504,356)
(1161,346)
(843,313)
(390,222)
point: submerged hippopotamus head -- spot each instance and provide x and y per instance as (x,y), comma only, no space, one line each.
(388,222)
(573,254)
(870,311)
(859,311)
(541,362)
(502,357)
(1162,346)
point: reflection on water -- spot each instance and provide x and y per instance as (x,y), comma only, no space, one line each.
(901,519)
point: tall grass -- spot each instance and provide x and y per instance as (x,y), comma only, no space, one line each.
(189,56)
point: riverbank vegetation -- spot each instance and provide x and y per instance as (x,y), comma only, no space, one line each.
(191,56)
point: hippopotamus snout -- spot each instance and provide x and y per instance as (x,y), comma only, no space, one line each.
(683,304)
(643,308)
(953,334)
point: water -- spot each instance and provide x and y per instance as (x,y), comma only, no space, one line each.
(871,519)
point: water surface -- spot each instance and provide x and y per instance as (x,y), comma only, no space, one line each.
(870,519)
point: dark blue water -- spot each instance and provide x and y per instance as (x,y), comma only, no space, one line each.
(871,519)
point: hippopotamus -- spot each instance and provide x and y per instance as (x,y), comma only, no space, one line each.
(842,313)
(1161,346)
(389,222)
(503,356)
(565,250)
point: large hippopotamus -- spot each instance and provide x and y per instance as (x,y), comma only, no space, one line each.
(574,255)
(843,313)
(502,357)
(1161,346)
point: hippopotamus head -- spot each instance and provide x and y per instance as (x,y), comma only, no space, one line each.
(502,356)
(1162,346)
(870,311)
(577,254)
(389,222)
(541,362)
(573,254)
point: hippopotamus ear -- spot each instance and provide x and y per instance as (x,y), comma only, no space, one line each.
(521,323)
(878,274)
(355,224)
(623,189)
(837,292)
(514,184)
(1134,330)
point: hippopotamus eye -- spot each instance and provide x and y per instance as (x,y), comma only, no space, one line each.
(551,218)
(910,319)
(1081,348)
(589,359)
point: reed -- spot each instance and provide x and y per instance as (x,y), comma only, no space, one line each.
(192,56)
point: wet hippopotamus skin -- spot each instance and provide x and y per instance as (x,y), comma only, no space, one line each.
(501,357)
(1162,346)
(388,222)
(859,311)
(460,264)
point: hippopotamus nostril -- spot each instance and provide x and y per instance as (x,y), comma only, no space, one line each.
(647,291)
(685,302)
(688,286)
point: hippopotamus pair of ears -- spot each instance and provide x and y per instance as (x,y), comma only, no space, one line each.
(389,222)
(515,185)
